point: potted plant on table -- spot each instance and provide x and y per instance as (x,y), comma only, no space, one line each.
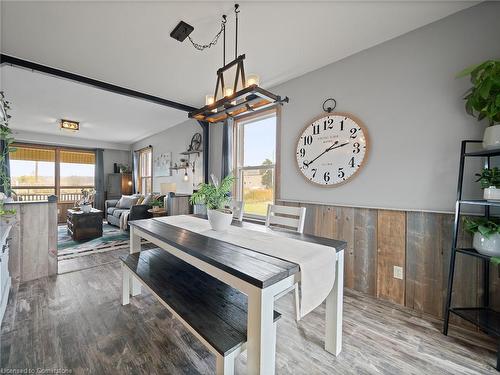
(482,100)
(489,178)
(87,199)
(216,197)
(156,204)
(486,238)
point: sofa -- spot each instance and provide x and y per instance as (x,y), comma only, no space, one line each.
(135,212)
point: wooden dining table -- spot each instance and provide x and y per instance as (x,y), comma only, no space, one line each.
(261,277)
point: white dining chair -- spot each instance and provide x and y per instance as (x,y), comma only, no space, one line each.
(237,207)
(292,218)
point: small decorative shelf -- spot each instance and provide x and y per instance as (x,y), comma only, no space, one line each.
(191,152)
(178,168)
(482,316)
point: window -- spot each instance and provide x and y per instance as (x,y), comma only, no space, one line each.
(76,171)
(145,177)
(255,151)
(38,171)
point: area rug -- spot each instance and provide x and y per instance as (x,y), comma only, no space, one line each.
(112,239)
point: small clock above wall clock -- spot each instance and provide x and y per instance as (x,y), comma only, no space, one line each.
(332,149)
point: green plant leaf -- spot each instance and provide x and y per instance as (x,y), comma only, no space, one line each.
(495,260)
(467,71)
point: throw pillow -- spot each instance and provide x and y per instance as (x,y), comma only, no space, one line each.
(147,200)
(141,199)
(127,201)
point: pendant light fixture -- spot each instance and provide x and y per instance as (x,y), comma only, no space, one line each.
(231,99)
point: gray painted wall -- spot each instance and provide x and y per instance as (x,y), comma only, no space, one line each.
(405,92)
(114,156)
(175,139)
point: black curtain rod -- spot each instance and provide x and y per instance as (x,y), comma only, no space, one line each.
(14,61)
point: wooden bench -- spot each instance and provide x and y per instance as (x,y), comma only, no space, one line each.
(213,311)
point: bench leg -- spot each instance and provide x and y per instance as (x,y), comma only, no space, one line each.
(297,302)
(225,365)
(135,247)
(125,285)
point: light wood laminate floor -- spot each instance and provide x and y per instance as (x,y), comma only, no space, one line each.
(75,321)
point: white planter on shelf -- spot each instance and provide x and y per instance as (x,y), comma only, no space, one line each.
(219,220)
(491,194)
(487,246)
(491,137)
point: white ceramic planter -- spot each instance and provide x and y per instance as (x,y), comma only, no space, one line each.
(491,194)
(86,208)
(219,221)
(487,246)
(491,137)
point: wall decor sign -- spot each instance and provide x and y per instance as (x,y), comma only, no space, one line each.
(332,149)
(162,164)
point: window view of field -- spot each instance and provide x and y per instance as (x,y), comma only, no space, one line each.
(258,189)
(258,140)
(33,173)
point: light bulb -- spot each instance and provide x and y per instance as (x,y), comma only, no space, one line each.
(209,99)
(228,92)
(186,177)
(253,79)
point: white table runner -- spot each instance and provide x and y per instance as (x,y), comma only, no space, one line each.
(317,262)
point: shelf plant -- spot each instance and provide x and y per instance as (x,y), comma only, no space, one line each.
(486,236)
(216,197)
(489,177)
(482,100)
(489,180)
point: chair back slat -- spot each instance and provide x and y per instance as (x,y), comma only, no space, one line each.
(275,217)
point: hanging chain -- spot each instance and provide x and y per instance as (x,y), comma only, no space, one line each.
(201,47)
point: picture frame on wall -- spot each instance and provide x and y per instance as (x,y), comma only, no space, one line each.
(162,164)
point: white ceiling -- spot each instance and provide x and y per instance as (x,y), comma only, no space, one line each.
(39,102)
(128,44)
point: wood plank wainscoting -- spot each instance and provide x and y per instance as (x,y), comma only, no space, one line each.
(420,242)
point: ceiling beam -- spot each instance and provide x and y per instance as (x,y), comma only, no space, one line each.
(14,61)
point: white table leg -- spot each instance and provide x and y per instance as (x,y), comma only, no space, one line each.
(334,308)
(125,285)
(135,247)
(260,341)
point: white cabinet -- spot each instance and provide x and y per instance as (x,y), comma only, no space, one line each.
(5,279)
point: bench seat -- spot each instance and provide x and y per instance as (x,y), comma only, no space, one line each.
(214,310)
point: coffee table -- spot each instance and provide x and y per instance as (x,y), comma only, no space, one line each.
(84,226)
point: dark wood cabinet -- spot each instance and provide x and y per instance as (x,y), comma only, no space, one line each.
(84,226)
(119,184)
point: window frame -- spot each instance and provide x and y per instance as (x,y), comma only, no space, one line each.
(140,176)
(239,150)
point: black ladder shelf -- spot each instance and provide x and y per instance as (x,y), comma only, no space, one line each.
(483,316)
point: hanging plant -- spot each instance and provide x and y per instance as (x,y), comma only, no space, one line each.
(6,139)
(482,100)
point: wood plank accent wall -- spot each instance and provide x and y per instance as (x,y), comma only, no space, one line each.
(419,242)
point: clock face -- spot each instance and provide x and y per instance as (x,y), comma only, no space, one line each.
(331,149)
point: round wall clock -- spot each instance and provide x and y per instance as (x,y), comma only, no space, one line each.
(332,149)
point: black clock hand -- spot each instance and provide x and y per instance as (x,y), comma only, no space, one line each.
(324,152)
(332,147)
